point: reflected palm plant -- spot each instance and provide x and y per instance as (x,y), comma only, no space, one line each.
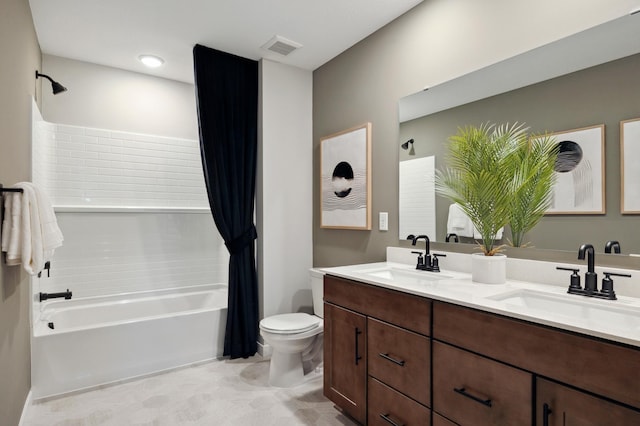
(498,175)
(533,180)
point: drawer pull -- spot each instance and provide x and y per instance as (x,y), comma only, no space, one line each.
(358,357)
(393,360)
(388,419)
(463,391)
(546,411)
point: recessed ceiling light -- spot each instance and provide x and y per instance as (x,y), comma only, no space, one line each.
(151,61)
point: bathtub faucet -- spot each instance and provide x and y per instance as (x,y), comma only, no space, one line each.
(66,294)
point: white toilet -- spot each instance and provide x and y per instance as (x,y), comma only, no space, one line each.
(296,339)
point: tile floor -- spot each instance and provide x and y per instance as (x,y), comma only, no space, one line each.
(218,393)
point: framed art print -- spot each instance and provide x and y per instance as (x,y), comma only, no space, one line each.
(629,172)
(579,186)
(345,168)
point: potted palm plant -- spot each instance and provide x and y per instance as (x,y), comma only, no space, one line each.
(494,177)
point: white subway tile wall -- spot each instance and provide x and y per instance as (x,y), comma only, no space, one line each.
(81,166)
(112,252)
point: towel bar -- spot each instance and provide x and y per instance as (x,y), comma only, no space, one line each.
(9,189)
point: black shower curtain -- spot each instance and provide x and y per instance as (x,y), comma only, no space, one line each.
(227,103)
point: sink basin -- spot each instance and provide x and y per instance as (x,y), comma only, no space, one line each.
(404,275)
(587,311)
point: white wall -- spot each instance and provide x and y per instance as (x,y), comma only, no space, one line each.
(284,217)
(85,166)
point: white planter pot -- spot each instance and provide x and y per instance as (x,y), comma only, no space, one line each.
(489,269)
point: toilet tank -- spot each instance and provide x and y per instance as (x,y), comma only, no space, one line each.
(317,291)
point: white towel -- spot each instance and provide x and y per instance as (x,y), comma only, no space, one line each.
(30,230)
(458,222)
(478,236)
(11,242)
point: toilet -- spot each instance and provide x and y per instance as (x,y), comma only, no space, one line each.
(296,340)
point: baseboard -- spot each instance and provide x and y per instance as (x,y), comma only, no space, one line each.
(265,350)
(27,403)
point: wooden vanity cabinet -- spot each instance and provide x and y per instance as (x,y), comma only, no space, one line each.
(391,382)
(396,358)
(592,379)
(558,405)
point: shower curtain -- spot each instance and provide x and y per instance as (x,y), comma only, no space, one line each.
(227,103)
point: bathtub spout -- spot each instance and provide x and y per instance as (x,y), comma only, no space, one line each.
(45,296)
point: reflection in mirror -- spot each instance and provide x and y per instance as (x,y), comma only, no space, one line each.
(554,103)
(417,197)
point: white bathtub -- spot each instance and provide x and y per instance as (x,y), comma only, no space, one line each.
(100,340)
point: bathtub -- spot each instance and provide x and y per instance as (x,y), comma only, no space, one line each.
(82,343)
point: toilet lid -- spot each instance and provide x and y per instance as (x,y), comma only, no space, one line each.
(290,323)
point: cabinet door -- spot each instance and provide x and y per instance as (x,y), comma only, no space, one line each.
(558,405)
(345,362)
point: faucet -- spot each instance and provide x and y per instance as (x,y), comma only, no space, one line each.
(46,296)
(454,236)
(426,264)
(590,278)
(612,245)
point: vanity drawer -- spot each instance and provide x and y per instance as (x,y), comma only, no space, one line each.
(473,390)
(438,420)
(399,358)
(387,405)
(406,310)
(601,367)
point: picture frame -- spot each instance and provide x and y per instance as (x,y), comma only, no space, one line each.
(629,175)
(580,174)
(345,179)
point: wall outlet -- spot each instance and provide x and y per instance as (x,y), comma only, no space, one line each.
(383,221)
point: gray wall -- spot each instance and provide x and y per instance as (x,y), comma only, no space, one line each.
(434,42)
(111,98)
(604,94)
(21,56)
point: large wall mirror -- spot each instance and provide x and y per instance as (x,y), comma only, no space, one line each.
(588,79)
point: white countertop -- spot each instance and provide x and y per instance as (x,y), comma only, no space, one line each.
(616,320)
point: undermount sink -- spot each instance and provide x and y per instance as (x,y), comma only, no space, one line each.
(588,311)
(402,275)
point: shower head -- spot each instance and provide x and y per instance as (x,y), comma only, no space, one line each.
(55,86)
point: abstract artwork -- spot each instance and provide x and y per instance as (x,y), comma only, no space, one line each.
(579,186)
(345,181)
(629,171)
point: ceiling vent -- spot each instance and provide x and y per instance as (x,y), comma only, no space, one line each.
(281,45)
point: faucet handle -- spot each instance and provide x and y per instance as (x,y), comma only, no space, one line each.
(574,285)
(607,284)
(420,264)
(435,264)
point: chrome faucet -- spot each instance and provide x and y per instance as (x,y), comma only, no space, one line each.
(612,245)
(590,278)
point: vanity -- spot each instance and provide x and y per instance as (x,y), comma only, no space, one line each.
(406,347)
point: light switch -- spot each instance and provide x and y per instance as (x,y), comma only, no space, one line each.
(383,222)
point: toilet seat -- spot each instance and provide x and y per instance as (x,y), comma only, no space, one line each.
(290,323)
